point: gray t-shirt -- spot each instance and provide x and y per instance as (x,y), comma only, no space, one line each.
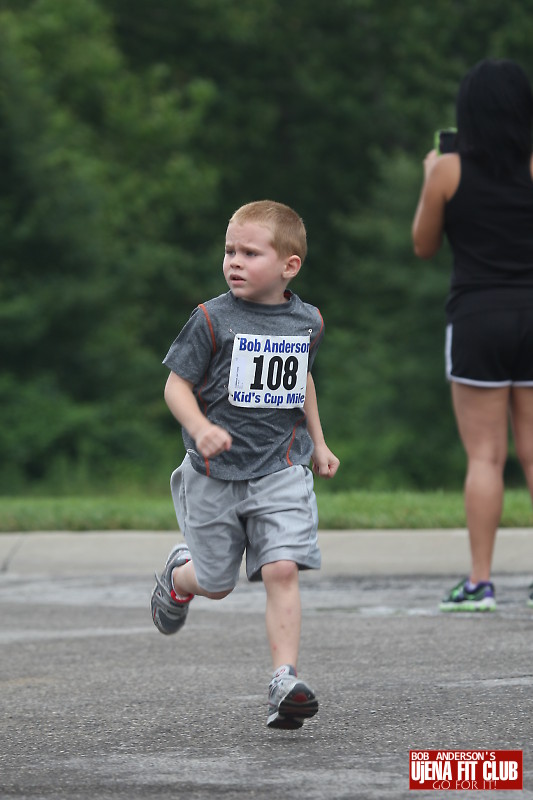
(260,354)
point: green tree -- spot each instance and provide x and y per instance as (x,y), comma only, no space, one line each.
(97,177)
(129,132)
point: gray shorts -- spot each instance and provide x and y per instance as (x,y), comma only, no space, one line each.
(272,518)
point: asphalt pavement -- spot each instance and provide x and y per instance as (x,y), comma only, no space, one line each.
(96,704)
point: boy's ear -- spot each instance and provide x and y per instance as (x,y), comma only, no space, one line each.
(292,266)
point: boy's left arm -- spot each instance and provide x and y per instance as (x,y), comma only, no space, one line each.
(325,463)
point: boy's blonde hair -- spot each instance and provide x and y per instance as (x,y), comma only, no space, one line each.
(287,228)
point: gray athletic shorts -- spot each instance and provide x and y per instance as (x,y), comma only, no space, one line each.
(272,518)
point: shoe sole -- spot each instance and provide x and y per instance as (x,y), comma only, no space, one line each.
(297,706)
(483,606)
(284,723)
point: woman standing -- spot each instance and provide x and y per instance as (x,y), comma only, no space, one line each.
(481,197)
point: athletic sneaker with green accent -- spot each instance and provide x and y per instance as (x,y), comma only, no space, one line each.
(530,598)
(290,700)
(461,598)
(169,611)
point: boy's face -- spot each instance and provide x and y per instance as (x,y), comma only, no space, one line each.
(253,269)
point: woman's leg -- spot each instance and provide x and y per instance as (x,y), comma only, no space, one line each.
(482,420)
(522,423)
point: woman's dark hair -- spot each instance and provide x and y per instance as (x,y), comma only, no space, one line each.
(495,114)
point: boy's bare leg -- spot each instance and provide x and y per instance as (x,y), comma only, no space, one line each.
(283,611)
(185,583)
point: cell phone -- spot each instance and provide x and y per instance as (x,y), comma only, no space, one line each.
(446,141)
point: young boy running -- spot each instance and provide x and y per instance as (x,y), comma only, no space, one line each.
(240,386)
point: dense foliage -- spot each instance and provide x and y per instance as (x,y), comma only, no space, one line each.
(130,131)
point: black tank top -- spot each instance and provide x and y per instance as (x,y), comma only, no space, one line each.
(489,225)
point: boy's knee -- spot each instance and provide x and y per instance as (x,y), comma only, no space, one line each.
(282,571)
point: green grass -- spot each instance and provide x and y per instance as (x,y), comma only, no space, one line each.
(338,510)
(404,509)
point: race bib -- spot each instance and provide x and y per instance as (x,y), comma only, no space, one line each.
(268,371)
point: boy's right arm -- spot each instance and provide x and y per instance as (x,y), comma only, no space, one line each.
(210,439)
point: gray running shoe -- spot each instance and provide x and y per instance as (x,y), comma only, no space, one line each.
(290,701)
(168,612)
